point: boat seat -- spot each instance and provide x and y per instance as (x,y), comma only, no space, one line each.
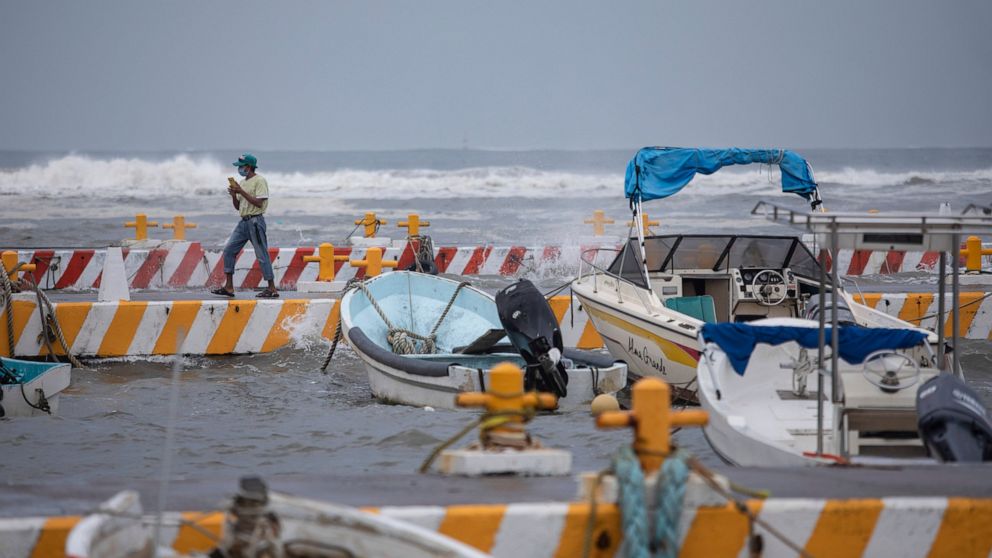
(699,307)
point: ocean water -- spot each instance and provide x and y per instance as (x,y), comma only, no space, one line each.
(275,414)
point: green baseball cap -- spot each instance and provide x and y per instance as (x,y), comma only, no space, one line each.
(246,159)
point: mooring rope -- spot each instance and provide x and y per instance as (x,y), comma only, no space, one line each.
(404,341)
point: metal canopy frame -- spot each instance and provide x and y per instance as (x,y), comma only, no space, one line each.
(941,233)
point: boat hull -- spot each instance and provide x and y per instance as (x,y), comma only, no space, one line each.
(394,385)
(649,348)
(42,378)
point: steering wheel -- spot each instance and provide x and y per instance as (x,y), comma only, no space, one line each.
(891,371)
(769,294)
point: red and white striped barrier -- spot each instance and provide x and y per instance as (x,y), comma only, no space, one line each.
(178,265)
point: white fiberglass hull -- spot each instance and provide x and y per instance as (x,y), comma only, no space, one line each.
(651,345)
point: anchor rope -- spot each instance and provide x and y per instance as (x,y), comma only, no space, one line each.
(46,310)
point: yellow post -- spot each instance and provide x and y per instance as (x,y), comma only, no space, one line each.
(373,262)
(653,420)
(973,253)
(140,226)
(646,222)
(371,223)
(413,224)
(506,394)
(599,222)
(326,258)
(179,226)
(9,259)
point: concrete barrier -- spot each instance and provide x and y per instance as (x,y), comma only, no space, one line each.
(180,264)
(905,526)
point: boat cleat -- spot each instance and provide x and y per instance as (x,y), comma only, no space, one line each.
(504,446)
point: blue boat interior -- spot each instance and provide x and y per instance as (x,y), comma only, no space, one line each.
(415,302)
(25,370)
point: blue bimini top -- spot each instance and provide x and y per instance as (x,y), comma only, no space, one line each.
(659,172)
(855,342)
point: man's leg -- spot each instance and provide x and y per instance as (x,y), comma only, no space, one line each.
(260,242)
(238,239)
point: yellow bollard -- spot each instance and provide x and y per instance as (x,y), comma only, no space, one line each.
(373,262)
(140,226)
(9,259)
(413,224)
(506,395)
(646,222)
(599,222)
(326,259)
(653,419)
(179,226)
(371,223)
(973,253)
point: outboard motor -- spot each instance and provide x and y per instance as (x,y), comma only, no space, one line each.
(533,330)
(844,314)
(953,423)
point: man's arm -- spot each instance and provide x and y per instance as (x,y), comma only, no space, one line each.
(234,198)
(257,202)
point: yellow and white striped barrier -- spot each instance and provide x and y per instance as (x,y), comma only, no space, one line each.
(877,527)
(921,309)
(139,328)
(217,327)
(213,327)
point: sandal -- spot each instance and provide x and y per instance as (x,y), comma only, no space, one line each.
(222,292)
(268,293)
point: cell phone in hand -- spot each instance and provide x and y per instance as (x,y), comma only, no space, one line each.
(231,183)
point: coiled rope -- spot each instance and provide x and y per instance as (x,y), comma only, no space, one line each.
(401,341)
(404,341)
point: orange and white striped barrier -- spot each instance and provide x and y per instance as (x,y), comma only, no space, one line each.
(140,328)
(921,309)
(905,527)
(212,327)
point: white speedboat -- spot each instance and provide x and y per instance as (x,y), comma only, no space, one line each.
(786,391)
(424,339)
(30,388)
(651,302)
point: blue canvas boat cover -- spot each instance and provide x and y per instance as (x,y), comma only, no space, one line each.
(659,172)
(855,342)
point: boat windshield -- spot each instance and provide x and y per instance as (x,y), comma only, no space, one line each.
(677,253)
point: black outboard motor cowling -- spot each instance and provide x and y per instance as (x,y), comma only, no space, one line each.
(533,330)
(952,421)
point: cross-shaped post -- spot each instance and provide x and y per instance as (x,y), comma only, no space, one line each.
(140,226)
(373,262)
(599,222)
(179,226)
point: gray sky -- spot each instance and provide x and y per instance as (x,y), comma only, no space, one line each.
(493,74)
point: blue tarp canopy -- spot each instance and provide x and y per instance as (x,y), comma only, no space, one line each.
(855,343)
(659,172)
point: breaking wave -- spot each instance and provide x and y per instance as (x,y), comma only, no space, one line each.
(188,176)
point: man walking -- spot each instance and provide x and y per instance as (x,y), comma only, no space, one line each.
(250,198)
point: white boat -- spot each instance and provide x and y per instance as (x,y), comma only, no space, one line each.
(468,340)
(260,523)
(31,388)
(765,415)
(786,391)
(651,302)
